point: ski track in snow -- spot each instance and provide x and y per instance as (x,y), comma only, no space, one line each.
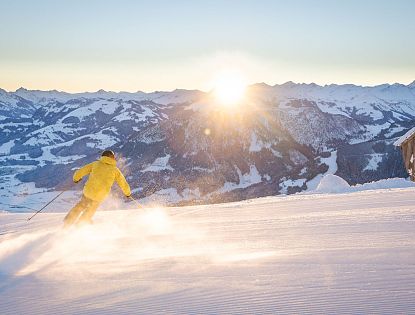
(324,254)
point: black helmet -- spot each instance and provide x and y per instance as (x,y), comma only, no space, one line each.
(109,153)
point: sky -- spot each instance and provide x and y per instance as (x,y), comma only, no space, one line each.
(127,45)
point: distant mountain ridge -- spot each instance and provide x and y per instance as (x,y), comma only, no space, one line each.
(180,147)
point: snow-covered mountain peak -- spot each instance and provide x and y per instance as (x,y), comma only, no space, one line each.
(287,84)
(260,85)
(21,90)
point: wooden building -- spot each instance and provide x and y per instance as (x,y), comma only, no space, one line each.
(407,145)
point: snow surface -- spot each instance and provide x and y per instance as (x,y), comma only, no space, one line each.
(334,184)
(170,196)
(291,183)
(331,162)
(257,145)
(5,147)
(374,160)
(324,254)
(159,164)
(245,180)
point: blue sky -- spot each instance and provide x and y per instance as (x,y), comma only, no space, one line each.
(160,45)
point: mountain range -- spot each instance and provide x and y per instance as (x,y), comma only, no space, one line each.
(182,147)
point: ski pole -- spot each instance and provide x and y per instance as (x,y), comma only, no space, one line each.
(140,206)
(46,205)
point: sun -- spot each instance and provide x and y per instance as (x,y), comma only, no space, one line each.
(229,88)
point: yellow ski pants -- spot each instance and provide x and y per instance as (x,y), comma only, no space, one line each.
(82,212)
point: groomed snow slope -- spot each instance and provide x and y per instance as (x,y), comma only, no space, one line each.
(351,253)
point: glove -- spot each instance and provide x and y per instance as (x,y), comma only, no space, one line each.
(76,181)
(129,196)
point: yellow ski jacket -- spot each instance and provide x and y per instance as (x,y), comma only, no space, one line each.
(102,174)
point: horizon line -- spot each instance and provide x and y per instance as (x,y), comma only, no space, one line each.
(410,84)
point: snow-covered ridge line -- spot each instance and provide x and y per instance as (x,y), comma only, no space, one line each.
(339,92)
(286,84)
(161,97)
(346,94)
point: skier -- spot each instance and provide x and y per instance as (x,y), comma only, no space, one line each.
(102,174)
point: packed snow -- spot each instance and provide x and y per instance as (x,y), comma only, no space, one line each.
(351,253)
(331,162)
(334,184)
